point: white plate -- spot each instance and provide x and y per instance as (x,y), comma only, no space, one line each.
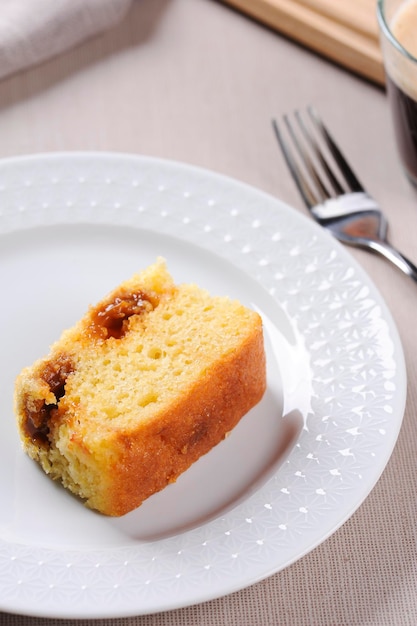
(72,226)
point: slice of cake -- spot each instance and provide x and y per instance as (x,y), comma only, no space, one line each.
(150,379)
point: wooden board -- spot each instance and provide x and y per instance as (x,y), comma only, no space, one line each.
(345,31)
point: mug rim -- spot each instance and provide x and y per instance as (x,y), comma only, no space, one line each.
(386,30)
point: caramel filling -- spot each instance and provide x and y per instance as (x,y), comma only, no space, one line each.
(111,318)
(38,414)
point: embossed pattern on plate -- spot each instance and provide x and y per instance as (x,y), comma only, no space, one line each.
(344,374)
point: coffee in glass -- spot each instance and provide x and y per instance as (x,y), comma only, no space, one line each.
(398,28)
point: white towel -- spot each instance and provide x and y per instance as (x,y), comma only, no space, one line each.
(32,31)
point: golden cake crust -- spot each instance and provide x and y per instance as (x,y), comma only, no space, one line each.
(189,429)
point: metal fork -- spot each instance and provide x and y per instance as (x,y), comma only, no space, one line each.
(348,212)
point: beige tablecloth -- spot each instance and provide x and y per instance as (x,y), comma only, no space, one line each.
(194,81)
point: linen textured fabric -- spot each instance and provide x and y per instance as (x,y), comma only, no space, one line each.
(32,31)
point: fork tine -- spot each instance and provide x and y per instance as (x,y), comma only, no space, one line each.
(337,187)
(299,179)
(345,168)
(324,194)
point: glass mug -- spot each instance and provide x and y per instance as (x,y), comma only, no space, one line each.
(398,34)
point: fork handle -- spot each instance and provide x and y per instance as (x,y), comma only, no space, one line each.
(391,254)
